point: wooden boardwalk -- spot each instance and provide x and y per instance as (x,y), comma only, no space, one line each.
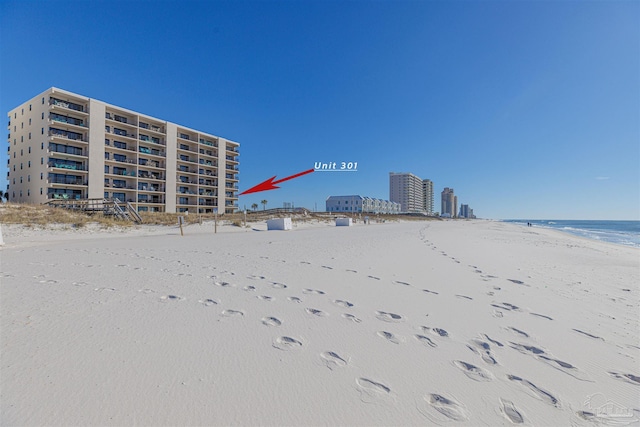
(109,207)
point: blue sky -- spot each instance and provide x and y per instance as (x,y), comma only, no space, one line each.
(528,109)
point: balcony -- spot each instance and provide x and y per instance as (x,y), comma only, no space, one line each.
(57,118)
(68,180)
(66,165)
(66,104)
(60,133)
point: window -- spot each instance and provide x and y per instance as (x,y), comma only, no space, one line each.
(41,191)
(119,158)
(42,160)
(20,166)
(22,125)
(42,145)
(29,122)
(29,164)
(42,104)
(28,178)
(29,150)
(21,152)
(106,156)
(29,107)
(42,131)
(41,176)
(29,135)
(42,116)
(106,169)
(28,193)
(20,180)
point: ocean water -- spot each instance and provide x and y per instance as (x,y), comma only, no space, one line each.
(620,232)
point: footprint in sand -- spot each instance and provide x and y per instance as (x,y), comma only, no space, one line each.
(506,306)
(265,298)
(389,336)
(327,267)
(351,317)
(629,378)
(372,391)
(464,297)
(508,409)
(402,283)
(472,371)
(332,360)
(388,317)
(249,288)
(224,284)
(425,341)
(167,298)
(588,334)
(539,393)
(232,313)
(430,292)
(287,344)
(447,407)
(312,291)
(483,349)
(255,277)
(295,299)
(276,285)
(342,303)
(271,321)
(541,315)
(373,277)
(518,332)
(208,302)
(316,312)
(435,331)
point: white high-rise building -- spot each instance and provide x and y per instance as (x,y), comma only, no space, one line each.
(427,196)
(406,189)
(64,145)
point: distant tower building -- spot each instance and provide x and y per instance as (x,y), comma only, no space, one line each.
(406,189)
(464,211)
(449,203)
(427,196)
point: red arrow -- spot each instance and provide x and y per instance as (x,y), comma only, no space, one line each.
(270,183)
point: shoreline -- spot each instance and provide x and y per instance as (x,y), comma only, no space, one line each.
(407,323)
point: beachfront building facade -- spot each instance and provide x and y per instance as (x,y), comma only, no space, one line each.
(360,204)
(407,190)
(65,145)
(466,212)
(427,196)
(449,203)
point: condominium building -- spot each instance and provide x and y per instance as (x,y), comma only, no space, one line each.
(360,204)
(449,203)
(407,190)
(427,196)
(64,145)
(466,212)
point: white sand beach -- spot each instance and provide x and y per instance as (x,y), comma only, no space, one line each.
(410,323)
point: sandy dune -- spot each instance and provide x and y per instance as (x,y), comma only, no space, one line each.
(415,323)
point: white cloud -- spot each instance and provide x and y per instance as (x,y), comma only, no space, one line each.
(602,178)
